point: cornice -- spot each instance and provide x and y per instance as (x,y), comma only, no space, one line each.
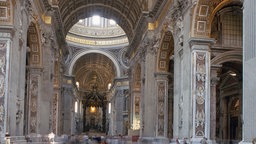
(7,31)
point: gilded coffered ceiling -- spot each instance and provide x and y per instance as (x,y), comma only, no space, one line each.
(94,68)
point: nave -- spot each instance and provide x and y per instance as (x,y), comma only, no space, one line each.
(127,71)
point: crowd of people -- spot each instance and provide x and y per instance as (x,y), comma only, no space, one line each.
(188,141)
(84,139)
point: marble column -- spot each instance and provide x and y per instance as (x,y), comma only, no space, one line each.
(200,88)
(5,46)
(249,70)
(214,82)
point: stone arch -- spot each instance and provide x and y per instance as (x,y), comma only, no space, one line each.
(204,13)
(226,57)
(219,7)
(228,92)
(33,77)
(165,51)
(73,61)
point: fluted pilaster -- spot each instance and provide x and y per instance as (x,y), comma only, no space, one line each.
(249,65)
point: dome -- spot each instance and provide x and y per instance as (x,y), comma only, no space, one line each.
(97,31)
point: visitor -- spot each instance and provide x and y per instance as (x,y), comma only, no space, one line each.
(7,138)
(203,140)
(177,141)
(185,141)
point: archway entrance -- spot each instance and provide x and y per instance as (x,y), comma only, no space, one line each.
(93,73)
(229,98)
(33,62)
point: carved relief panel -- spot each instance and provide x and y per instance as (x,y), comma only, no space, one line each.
(34,79)
(161,107)
(200,86)
(3,83)
(55,113)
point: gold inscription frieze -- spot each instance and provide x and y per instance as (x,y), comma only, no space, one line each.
(96,42)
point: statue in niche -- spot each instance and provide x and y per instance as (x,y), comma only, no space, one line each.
(179,24)
(33,123)
(200,68)
(152,43)
(181,111)
(161,108)
(200,77)
(161,126)
(33,87)
(1,113)
(200,117)
(156,41)
(33,105)
(1,85)
(47,38)
(200,95)
(18,116)
(19,112)
(2,64)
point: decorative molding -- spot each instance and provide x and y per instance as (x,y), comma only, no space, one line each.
(200,93)
(162,116)
(123,58)
(33,96)
(3,85)
(97,42)
(55,102)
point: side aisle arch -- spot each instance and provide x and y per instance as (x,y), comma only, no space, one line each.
(204,13)
(73,61)
(34,47)
(165,51)
(164,89)
(33,77)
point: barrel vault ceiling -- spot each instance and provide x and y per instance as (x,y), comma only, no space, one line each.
(94,68)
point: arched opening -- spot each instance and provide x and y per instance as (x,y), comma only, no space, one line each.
(165,63)
(33,61)
(228,102)
(96,44)
(226,28)
(93,72)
